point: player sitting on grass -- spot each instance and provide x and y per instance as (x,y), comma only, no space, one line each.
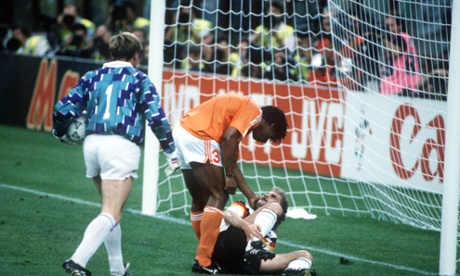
(247,239)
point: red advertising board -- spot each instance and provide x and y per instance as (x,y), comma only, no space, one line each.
(315,117)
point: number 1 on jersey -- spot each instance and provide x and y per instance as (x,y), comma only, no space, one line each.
(108,93)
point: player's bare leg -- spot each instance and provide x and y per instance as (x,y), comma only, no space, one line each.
(198,193)
(199,199)
(211,178)
(300,260)
(114,195)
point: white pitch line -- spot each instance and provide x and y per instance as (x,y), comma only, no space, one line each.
(186,222)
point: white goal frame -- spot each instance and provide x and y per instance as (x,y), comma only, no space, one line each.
(155,73)
(448,246)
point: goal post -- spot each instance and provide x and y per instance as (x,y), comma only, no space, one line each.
(155,73)
(450,202)
(371,131)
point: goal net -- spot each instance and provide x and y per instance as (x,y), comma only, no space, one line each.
(363,85)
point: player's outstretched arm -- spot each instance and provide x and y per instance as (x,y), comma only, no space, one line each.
(245,189)
(233,176)
(229,147)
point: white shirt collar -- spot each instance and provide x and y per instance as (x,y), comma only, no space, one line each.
(117,64)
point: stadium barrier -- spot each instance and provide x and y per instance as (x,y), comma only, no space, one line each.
(325,133)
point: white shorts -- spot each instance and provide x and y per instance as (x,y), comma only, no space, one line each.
(111,157)
(192,149)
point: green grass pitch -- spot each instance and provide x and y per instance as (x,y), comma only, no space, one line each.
(46,203)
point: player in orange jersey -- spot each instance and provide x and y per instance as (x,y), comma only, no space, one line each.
(208,138)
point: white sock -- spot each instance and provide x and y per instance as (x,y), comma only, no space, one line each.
(266,219)
(95,234)
(300,263)
(113,246)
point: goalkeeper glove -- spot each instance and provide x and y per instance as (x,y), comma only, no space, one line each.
(173,163)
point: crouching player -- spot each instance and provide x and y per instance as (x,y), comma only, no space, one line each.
(246,240)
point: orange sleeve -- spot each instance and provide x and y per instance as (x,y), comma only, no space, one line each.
(210,119)
(247,118)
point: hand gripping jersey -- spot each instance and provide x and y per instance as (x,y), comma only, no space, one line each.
(243,210)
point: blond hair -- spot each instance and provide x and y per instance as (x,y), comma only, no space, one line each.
(124,46)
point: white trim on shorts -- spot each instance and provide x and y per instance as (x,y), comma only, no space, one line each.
(193,149)
(111,156)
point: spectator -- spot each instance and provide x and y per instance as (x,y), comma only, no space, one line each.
(282,68)
(186,29)
(215,54)
(348,42)
(76,45)
(100,44)
(236,55)
(432,86)
(222,50)
(251,70)
(208,52)
(134,21)
(306,14)
(274,32)
(367,63)
(326,73)
(401,65)
(180,28)
(145,54)
(193,61)
(302,56)
(322,41)
(178,33)
(187,26)
(240,19)
(123,17)
(142,35)
(70,16)
(36,45)
(117,18)
(171,55)
(324,36)
(251,64)
(13,45)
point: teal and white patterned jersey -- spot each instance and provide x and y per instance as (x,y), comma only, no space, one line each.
(118,99)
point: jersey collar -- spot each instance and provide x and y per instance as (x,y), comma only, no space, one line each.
(117,64)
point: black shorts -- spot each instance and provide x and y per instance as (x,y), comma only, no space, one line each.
(229,252)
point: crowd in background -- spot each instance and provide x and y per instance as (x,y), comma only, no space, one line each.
(273,45)
(71,35)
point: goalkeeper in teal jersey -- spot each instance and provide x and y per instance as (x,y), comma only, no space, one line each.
(117,99)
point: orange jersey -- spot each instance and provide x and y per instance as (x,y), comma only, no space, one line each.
(210,119)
